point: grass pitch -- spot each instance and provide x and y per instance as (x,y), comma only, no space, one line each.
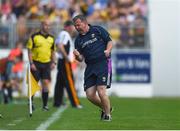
(129,113)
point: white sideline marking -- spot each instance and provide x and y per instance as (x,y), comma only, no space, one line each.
(11,124)
(53,118)
(18,120)
(15,122)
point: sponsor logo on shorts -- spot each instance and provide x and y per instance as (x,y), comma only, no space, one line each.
(103,79)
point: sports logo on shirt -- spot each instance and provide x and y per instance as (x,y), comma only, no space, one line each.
(93,35)
(89,42)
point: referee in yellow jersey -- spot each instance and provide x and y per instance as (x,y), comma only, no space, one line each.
(41,53)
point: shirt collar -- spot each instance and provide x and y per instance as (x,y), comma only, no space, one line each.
(44,35)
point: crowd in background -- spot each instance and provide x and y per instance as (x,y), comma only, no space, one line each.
(126,20)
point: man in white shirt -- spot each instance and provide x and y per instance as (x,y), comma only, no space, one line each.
(64,77)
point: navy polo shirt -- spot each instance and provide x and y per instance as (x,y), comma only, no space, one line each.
(92,44)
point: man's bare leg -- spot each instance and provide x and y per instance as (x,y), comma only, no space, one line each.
(93,97)
(104,99)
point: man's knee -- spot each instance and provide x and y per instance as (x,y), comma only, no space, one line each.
(90,95)
(91,92)
(101,91)
(45,85)
(45,82)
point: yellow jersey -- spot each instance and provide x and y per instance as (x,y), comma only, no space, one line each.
(41,46)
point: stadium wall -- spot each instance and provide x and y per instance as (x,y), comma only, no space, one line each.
(118,89)
(164,19)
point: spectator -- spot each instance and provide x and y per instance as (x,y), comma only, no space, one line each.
(18,7)
(16,76)
(58,11)
(21,28)
(8,18)
(13,73)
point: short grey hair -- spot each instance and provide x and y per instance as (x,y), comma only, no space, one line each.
(81,17)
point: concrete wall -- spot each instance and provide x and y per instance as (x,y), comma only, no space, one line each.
(165,46)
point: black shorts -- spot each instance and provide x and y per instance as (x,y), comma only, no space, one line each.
(43,71)
(98,74)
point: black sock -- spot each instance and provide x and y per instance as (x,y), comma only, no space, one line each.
(10,93)
(45,98)
(5,96)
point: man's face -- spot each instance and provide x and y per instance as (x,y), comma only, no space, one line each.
(80,26)
(71,29)
(45,26)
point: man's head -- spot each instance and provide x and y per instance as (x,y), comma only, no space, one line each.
(69,27)
(68,23)
(45,26)
(81,24)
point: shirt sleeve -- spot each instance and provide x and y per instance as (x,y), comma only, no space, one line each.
(29,43)
(62,39)
(104,34)
(53,45)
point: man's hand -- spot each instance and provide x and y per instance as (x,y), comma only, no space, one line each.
(33,67)
(53,65)
(67,59)
(107,53)
(77,55)
(108,49)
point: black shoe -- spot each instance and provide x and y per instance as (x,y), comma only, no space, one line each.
(57,106)
(111,110)
(103,113)
(79,106)
(107,118)
(45,108)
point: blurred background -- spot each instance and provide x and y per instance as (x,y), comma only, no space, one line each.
(145,57)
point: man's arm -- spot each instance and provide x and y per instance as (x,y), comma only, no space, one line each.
(33,67)
(77,52)
(29,47)
(53,55)
(53,59)
(63,51)
(78,56)
(30,56)
(108,48)
(107,40)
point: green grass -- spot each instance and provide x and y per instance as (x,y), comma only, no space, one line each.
(129,113)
